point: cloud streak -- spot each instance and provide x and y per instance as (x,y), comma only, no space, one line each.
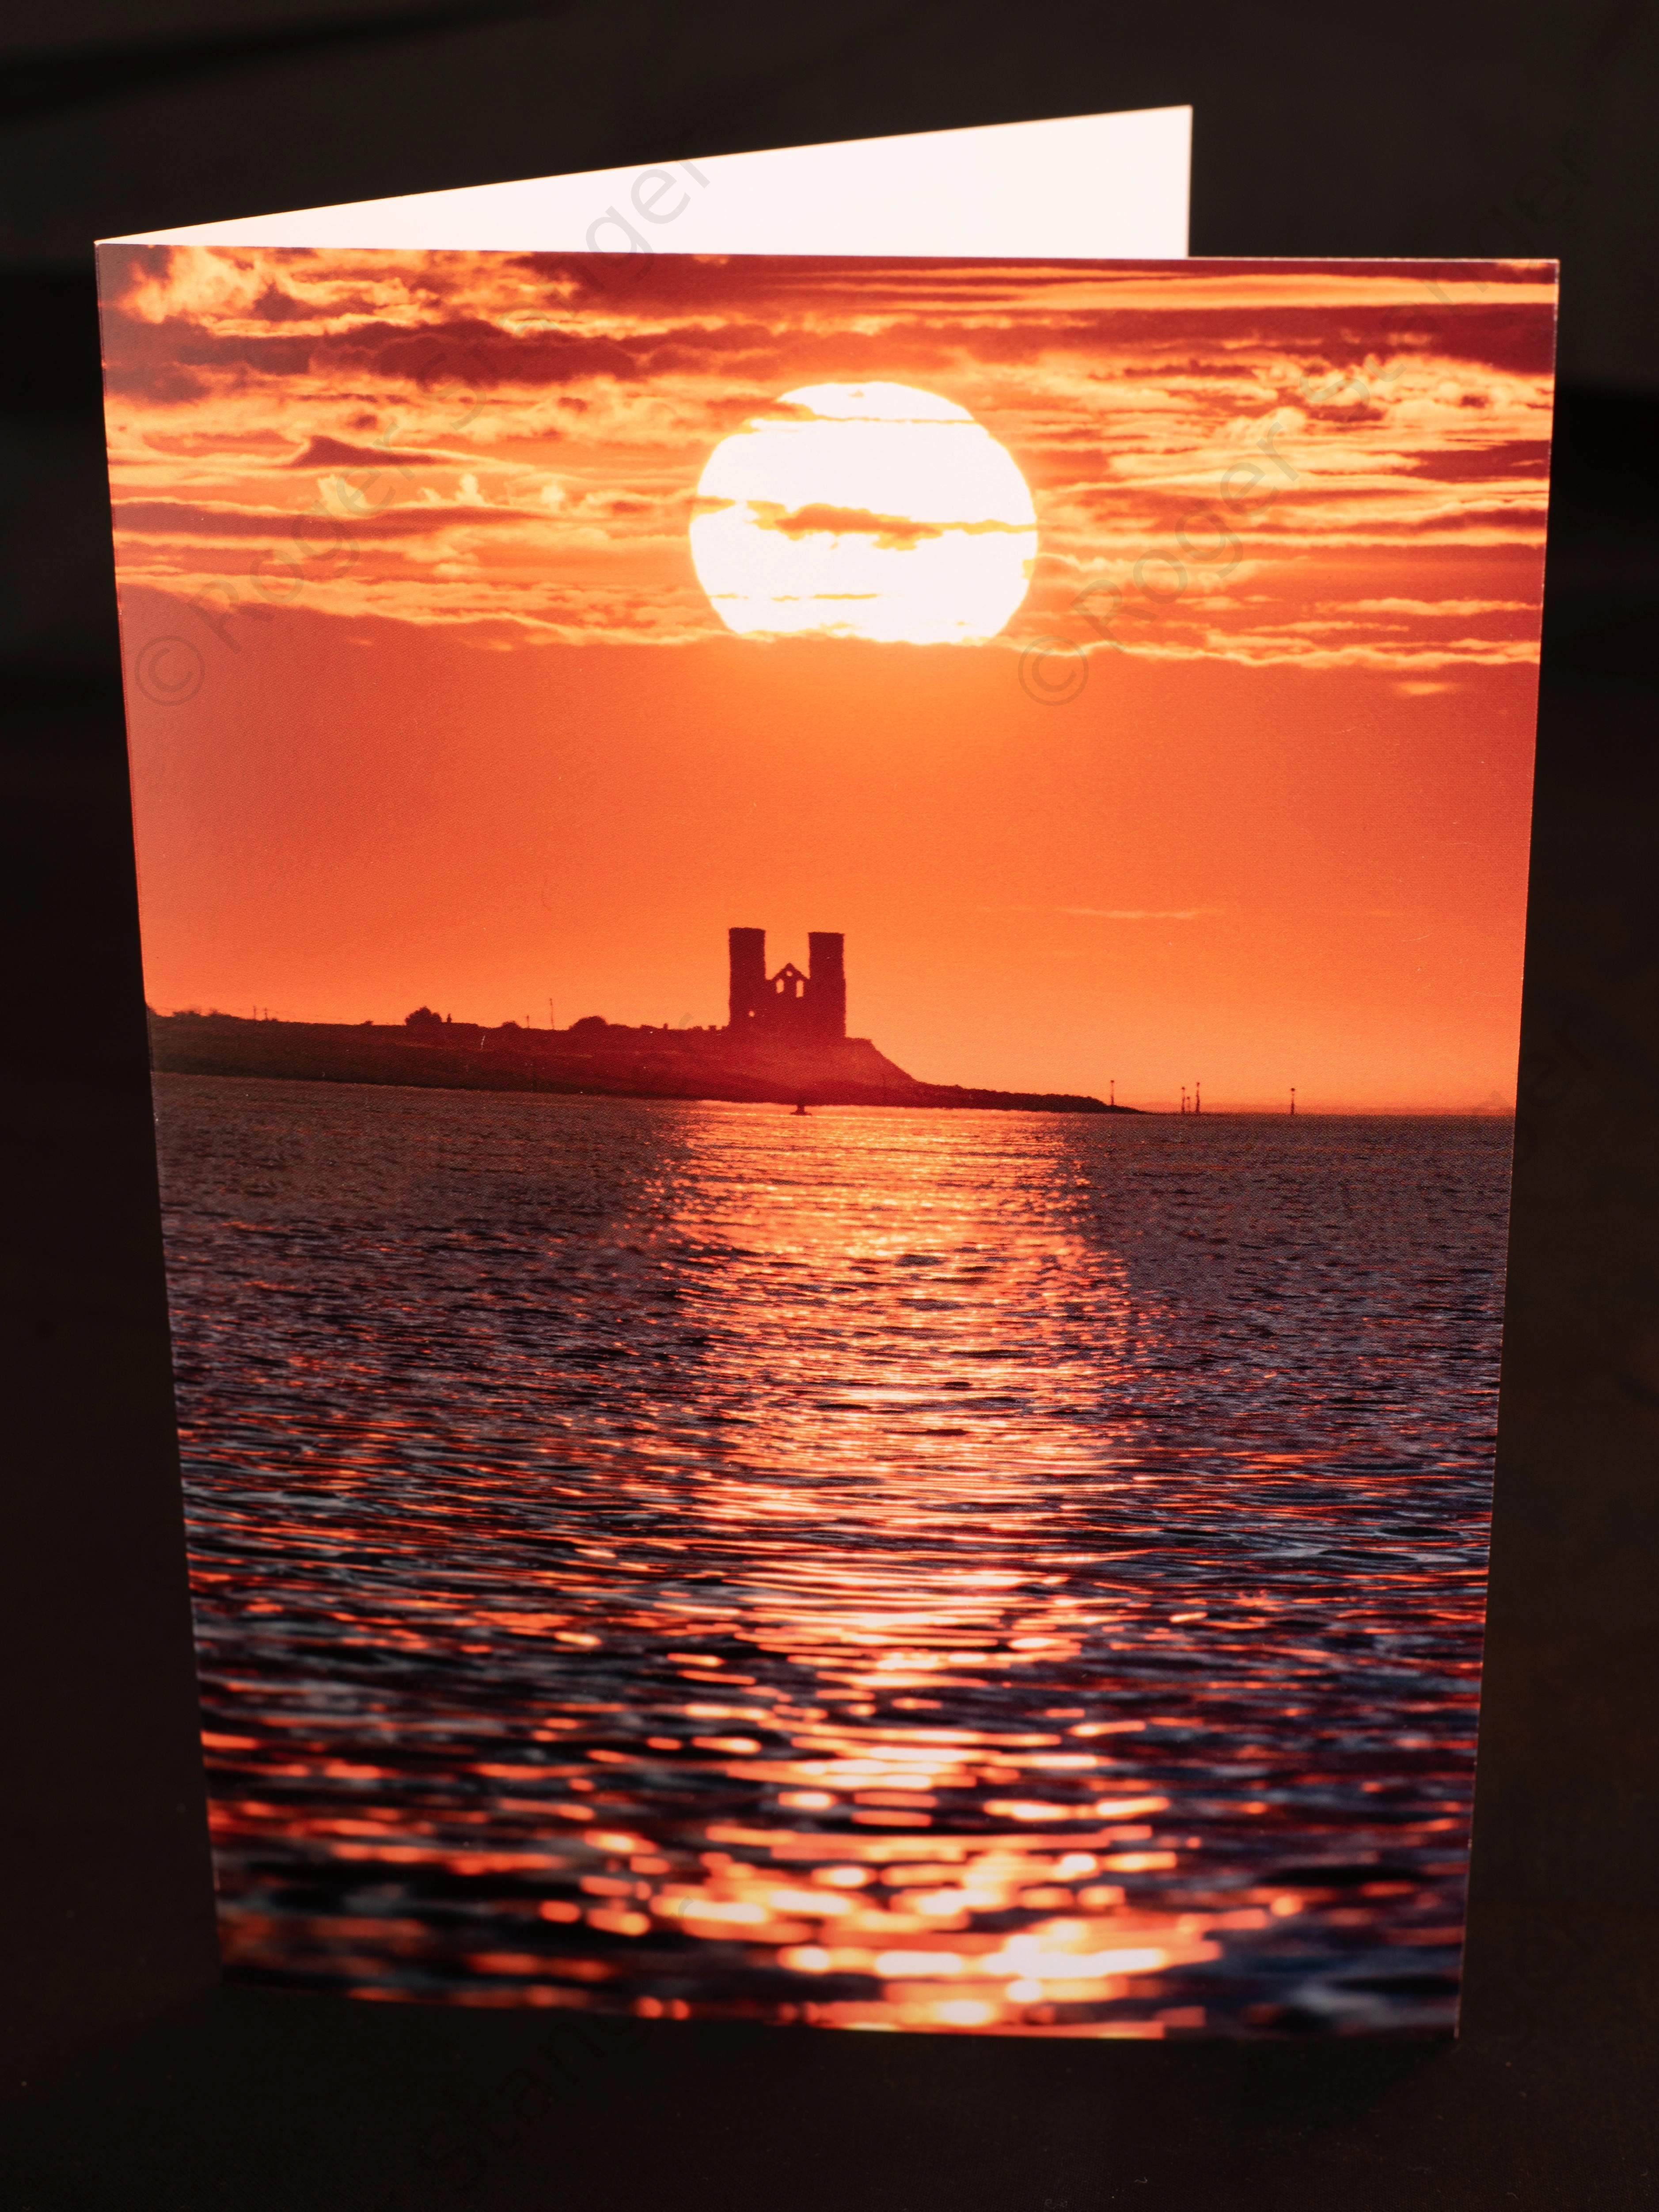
(1341,466)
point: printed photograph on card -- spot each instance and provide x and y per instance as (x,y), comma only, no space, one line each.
(833,955)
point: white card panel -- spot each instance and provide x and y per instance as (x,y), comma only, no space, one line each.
(1093,186)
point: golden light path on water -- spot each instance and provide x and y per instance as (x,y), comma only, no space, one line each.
(963,1572)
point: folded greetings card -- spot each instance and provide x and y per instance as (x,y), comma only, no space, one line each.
(834,950)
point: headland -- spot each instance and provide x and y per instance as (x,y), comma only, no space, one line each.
(785,1044)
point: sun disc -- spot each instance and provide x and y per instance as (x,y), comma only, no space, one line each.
(864,510)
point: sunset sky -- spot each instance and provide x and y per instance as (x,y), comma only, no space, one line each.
(428,703)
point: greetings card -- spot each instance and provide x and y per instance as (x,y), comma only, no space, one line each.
(834,949)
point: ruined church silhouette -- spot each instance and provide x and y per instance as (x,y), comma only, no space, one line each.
(812,1008)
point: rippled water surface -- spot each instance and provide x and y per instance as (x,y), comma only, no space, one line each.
(951,1571)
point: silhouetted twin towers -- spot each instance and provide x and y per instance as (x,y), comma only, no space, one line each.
(789,1004)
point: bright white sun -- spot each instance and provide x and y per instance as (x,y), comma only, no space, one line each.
(865,510)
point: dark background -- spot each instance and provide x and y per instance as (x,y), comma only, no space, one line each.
(126,2076)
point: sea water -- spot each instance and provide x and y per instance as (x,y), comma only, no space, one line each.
(953,1571)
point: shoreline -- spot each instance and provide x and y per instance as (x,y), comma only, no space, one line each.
(609,1062)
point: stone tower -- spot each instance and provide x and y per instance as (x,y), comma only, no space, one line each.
(826,984)
(749,992)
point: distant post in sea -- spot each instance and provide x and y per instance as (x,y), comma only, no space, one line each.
(1292,1099)
(1198,1101)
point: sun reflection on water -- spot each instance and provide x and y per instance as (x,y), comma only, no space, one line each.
(968,1572)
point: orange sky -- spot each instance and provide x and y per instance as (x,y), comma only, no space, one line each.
(455,722)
